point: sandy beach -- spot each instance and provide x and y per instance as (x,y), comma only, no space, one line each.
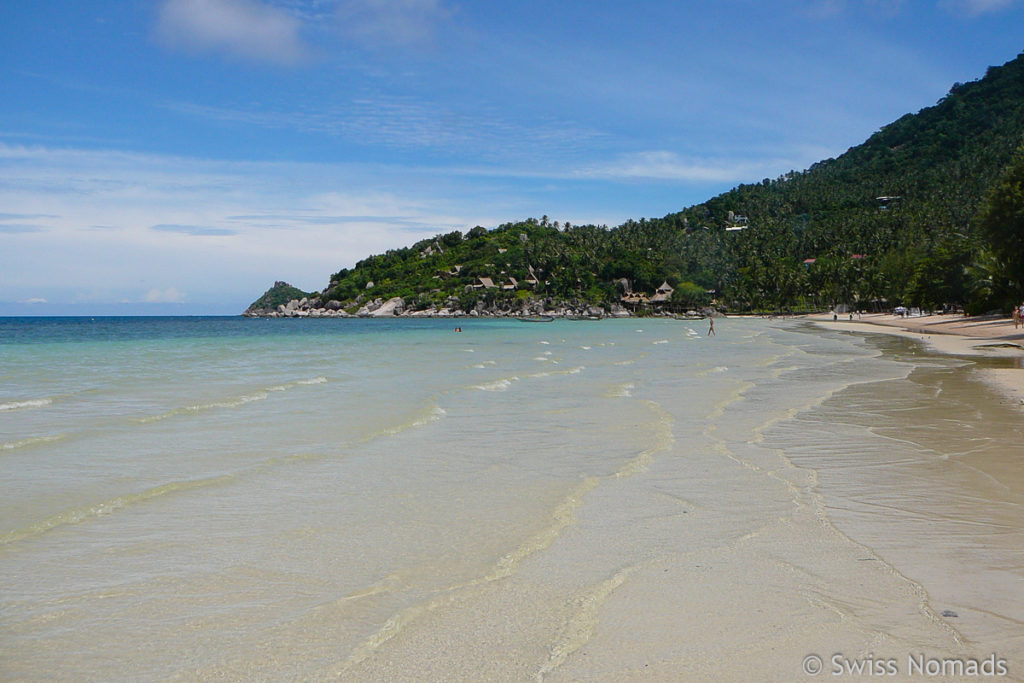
(980,336)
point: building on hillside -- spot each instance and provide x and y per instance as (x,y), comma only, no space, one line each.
(663,295)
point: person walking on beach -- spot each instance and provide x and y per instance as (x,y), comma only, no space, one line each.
(711,330)
(1016,317)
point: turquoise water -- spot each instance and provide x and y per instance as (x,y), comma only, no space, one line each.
(366,499)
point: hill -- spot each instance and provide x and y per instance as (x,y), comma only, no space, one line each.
(278,295)
(890,221)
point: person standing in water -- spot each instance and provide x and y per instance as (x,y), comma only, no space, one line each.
(711,330)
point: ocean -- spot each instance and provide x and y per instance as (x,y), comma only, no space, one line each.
(239,499)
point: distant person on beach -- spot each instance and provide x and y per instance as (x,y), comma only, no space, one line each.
(711,330)
(835,317)
(1016,317)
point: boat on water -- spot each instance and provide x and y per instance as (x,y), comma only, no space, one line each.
(584,317)
(536,319)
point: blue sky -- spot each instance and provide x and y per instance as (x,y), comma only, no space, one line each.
(178,156)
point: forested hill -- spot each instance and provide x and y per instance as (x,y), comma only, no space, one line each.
(891,220)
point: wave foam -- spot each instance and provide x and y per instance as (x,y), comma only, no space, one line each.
(571,371)
(83,514)
(497,385)
(32,441)
(621,391)
(234,402)
(31,403)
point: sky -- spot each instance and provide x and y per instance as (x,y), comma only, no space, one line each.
(179,156)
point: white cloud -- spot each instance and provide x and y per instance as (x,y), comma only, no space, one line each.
(221,231)
(193,230)
(240,28)
(665,165)
(165,296)
(33,300)
(412,123)
(391,22)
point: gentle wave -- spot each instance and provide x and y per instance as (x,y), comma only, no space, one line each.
(234,402)
(83,514)
(563,516)
(31,403)
(554,373)
(497,385)
(202,407)
(579,629)
(660,341)
(621,391)
(433,413)
(32,441)
(664,439)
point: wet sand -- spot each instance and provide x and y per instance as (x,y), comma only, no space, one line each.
(956,335)
(937,487)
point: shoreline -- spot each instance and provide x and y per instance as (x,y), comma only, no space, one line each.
(952,335)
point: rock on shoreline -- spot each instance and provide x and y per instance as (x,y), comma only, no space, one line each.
(395,307)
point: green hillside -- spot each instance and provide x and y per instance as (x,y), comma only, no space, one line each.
(278,295)
(893,220)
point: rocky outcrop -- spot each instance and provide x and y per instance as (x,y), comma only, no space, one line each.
(387,309)
(312,306)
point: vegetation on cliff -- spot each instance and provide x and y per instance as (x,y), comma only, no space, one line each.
(278,295)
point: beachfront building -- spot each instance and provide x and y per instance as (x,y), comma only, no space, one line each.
(664,294)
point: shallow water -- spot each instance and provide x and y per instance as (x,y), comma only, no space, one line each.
(367,499)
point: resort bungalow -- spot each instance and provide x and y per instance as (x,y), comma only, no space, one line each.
(663,295)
